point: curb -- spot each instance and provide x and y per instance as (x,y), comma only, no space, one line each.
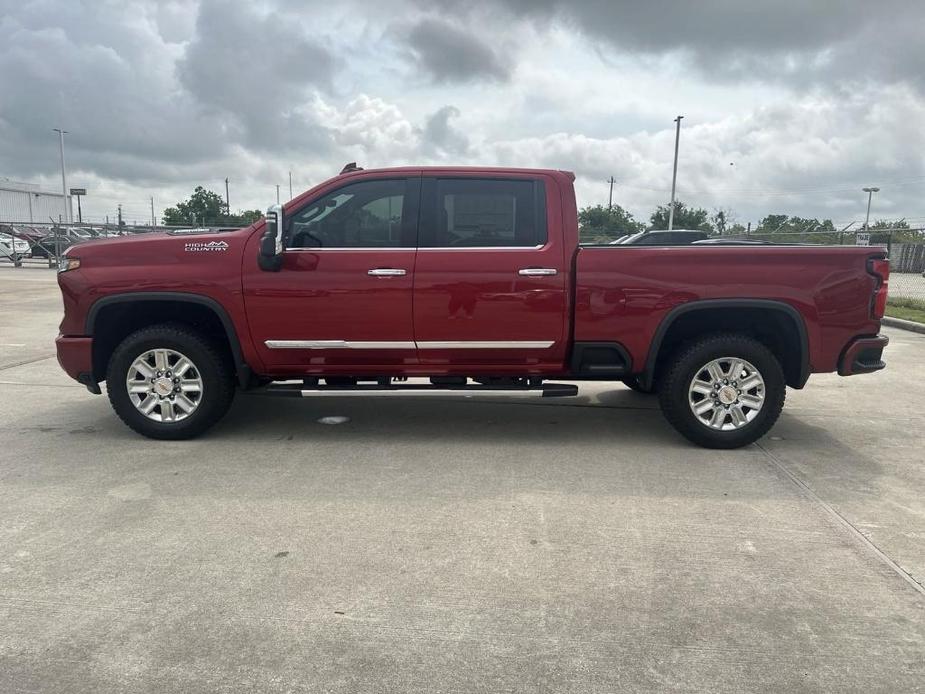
(904,324)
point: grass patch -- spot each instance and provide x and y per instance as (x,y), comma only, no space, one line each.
(907,309)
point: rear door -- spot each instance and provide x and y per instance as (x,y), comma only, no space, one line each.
(490,281)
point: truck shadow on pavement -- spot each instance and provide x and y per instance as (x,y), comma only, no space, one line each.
(620,416)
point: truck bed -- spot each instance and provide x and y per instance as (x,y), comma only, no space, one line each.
(623,293)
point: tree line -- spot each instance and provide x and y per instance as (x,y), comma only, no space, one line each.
(600,224)
(207,208)
(597,223)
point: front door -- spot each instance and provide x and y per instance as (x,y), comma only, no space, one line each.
(490,276)
(344,294)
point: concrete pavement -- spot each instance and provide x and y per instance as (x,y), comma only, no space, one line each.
(577,545)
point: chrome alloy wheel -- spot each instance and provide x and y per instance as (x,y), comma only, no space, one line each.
(726,393)
(164,385)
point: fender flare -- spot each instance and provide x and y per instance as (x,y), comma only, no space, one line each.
(242,369)
(648,373)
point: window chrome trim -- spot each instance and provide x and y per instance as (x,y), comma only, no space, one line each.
(418,248)
(449,344)
(483,248)
(350,248)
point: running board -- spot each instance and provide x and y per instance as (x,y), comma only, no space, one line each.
(295,390)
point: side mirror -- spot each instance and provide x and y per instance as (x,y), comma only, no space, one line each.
(270,257)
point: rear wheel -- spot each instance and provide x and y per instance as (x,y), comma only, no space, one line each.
(723,391)
(168,382)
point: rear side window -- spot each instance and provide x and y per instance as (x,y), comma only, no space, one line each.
(485,213)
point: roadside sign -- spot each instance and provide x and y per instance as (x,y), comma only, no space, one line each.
(78,191)
(862,239)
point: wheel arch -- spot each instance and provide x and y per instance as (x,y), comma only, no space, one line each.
(715,315)
(134,310)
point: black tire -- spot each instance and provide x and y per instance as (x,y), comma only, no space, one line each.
(632,382)
(691,360)
(214,371)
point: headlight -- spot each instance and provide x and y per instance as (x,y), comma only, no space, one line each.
(65,263)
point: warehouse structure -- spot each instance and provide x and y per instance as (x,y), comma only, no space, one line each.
(28,202)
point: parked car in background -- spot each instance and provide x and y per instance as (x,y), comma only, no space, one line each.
(7,252)
(20,246)
(675,237)
(45,246)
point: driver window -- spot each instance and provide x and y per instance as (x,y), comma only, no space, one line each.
(361,215)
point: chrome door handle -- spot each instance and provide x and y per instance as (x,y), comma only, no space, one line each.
(537,271)
(386,272)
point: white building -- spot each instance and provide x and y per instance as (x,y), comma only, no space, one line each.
(27,202)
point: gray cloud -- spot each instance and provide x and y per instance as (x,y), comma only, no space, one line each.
(162,95)
(257,86)
(451,54)
(794,41)
(440,137)
(104,82)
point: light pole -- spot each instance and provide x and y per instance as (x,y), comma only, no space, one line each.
(870,193)
(61,134)
(277,194)
(674,173)
(290,185)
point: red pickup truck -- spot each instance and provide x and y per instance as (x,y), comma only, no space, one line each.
(469,280)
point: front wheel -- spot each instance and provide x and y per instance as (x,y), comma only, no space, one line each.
(723,391)
(168,382)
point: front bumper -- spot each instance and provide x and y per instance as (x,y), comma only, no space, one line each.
(75,355)
(863,356)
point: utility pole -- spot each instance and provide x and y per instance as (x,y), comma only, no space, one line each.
(870,193)
(277,193)
(290,185)
(610,201)
(153,218)
(674,173)
(61,134)
(227,200)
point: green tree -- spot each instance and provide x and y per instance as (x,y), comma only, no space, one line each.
(724,221)
(207,208)
(599,224)
(684,218)
(772,223)
(888,224)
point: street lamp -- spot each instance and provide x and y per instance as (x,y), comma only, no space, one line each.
(61,134)
(674,173)
(870,193)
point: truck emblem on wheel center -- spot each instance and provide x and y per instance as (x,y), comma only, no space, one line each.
(201,246)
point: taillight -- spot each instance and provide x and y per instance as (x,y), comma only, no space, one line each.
(879,268)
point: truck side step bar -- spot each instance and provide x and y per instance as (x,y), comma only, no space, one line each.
(297,390)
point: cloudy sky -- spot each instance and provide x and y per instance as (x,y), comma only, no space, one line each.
(790,106)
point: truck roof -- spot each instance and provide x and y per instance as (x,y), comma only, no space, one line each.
(464,169)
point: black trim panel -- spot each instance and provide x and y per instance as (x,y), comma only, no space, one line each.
(586,362)
(648,374)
